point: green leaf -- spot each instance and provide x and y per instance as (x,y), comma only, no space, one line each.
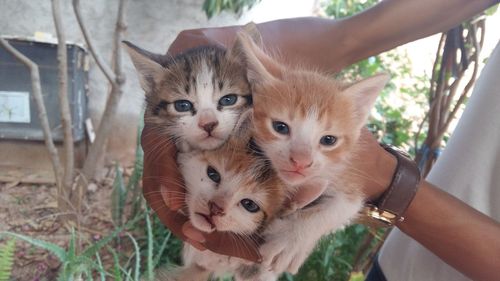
(118,197)
(116,265)
(92,250)
(71,247)
(149,263)
(59,252)
(137,259)
(214,7)
(100,267)
(134,181)
(161,250)
(7,259)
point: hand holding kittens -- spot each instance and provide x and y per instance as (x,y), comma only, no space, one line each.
(163,189)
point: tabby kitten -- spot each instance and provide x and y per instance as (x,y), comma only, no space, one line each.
(308,125)
(195,98)
(229,189)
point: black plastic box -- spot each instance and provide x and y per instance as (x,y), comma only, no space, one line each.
(18,111)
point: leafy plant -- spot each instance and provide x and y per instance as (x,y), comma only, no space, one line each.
(75,265)
(214,7)
(118,197)
(7,259)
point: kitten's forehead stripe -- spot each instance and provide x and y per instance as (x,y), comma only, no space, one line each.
(221,73)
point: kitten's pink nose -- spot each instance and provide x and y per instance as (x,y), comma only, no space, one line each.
(301,163)
(215,210)
(208,127)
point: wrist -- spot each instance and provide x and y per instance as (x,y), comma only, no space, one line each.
(382,166)
(390,207)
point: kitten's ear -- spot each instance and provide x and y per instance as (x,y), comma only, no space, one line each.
(261,68)
(364,93)
(147,64)
(251,30)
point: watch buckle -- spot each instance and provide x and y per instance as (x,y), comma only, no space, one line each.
(383,216)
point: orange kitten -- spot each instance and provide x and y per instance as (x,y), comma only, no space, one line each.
(308,125)
(229,189)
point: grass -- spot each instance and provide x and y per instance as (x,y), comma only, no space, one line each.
(152,246)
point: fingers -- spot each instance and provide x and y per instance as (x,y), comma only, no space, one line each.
(161,173)
(223,243)
(192,233)
(230,244)
(222,37)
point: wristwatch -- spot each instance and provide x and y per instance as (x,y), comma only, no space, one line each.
(389,208)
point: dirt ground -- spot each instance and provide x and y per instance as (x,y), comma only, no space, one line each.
(31,210)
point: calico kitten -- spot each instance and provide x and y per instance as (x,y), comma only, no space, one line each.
(229,189)
(308,125)
(194,98)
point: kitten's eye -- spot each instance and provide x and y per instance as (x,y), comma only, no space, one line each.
(213,174)
(183,105)
(281,127)
(228,100)
(328,140)
(250,206)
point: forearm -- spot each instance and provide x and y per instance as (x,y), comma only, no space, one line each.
(395,22)
(331,45)
(334,44)
(461,236)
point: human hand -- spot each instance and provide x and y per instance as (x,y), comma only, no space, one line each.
(163,185)
(372,166)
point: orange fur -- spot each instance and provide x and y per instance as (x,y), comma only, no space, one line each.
(233,158)
(312,105)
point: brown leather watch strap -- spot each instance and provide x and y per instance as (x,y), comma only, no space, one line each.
(403,187)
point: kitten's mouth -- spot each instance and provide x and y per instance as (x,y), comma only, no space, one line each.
(207,218)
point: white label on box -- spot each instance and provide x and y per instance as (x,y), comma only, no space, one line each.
(15,107)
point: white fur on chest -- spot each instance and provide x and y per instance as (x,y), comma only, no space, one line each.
(220,265)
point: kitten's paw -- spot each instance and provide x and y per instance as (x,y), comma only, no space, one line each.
(282,257)
(284,250)
(307,193)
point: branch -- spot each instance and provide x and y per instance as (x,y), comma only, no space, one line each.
(100,63)
(469,85)
(42,113)
(63,99)
(106,124)
(434,67)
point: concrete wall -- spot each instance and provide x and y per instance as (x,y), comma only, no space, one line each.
(152,24)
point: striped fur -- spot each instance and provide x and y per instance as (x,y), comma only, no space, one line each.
(201,76)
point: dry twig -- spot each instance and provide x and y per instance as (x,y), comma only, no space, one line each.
(116,80)
(42,112)
(63,101)
(445,98)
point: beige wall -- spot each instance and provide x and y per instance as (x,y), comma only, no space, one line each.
(152,24)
